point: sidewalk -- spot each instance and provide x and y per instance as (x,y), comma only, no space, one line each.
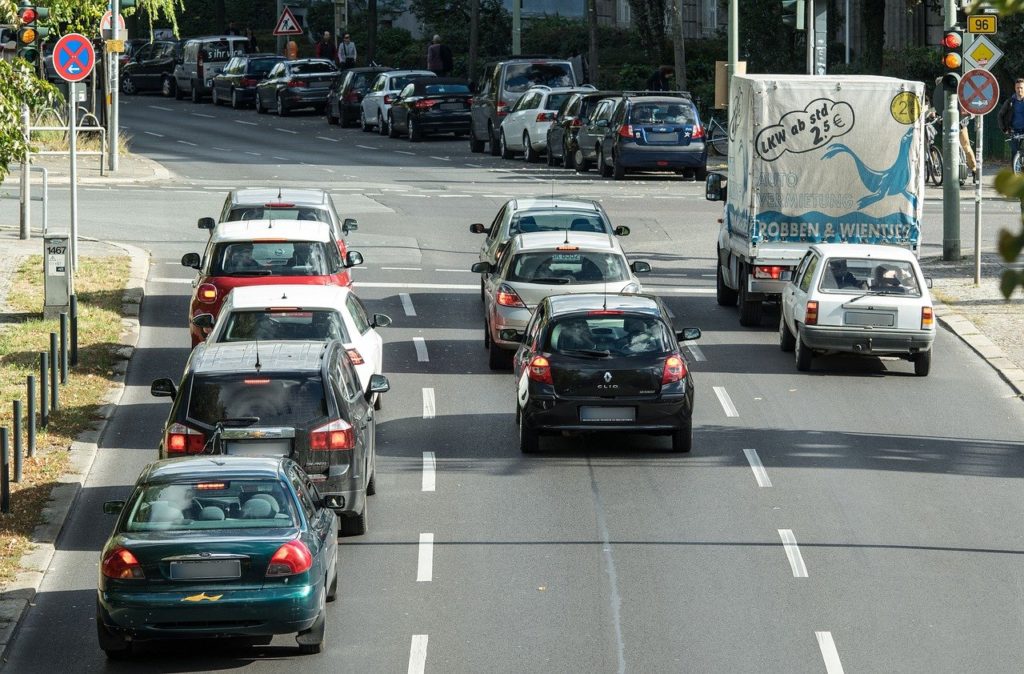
(132,168)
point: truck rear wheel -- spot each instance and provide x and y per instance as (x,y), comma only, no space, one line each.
(750,310)
(725,295)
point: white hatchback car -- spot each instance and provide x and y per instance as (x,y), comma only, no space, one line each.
(303,312)
(525,128)
(373,113)
(858,298)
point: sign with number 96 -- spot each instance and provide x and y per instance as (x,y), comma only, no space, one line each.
(986,24)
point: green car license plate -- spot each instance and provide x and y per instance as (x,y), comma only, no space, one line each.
(206,569)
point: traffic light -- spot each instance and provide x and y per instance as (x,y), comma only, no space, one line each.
(30,33)
(952,57)
(793,12)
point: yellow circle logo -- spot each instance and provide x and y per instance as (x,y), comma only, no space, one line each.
(905,108)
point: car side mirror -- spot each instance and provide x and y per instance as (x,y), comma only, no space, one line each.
(928,282)
(477,228)
(353,258)
(206,223)
(482,268)
(511,335)
(381,321)
(688,334)
(163,388)
(601,123)
(191,260)
(204,321)
(113,507)
(350,225)
(640,267)
(714,187)
(378,384)
(622,230)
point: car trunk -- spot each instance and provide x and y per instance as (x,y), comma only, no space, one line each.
(316,80)
(663,134)
(532,293)
(605,377)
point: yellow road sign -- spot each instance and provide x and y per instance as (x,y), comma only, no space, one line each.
(115,46)
(986,24)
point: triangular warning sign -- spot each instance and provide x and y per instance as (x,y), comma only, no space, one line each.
(287,24)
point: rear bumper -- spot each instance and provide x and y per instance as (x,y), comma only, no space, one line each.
(511,319)
(656,157)
(873,341)
(297,98)
(445,124)
(663,414)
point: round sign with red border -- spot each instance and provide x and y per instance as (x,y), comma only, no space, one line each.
(73,57)
(978,92)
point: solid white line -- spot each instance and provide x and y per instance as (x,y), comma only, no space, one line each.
(331,140)
(200,114)
(242,121)
(222,149)
(431,286)
(474,165)
(421,349)
(406,152)
(698,355)
(277,128)
(281,158)
(685,290)
(467,271)
(418,654)
(429,471)
(723,397)
(367,147)
(162,279)
(254,154)
(440,158)
(454,196)
(410,310)
(829,653)
(185,142)
(159,107)
(151,133)
(403,268)
(425,564)
(760,474)
(428,403)
(796,560)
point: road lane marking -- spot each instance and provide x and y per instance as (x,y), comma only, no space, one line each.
(412,154)
(614,599)
(242,121)
(474,165)
(367,147)
(829,653)
(410,310)
(421,349)
(254,154)
(723,397)
(403,268)
(686,290)
(281,158)
(425,563)
(152,133)
(695,351)
(467,271)
(453,196)
(430,286)
(223,149)
(277,128)
(429,471)
(327,169)
(760,474)
(201,114)
(330,140)
(164,279)
(159,107)
(428,403)
(796,560)
(418,654)
(185,142)
(440,158)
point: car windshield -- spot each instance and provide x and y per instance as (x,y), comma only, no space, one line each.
(192,505)
(521,76)
(609,333)
(261,66)
(284,324)
(552,221)
(269,258)
(869,275)
(662,113)
(398,83)
(441,89)
(276,399)
(568,267)
(262,212)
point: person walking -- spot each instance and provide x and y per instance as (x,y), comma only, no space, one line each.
(660,79)
(347,52)
(325,48)
(1011,117)
(965,144)
(439,57)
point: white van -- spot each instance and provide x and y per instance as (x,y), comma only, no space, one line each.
(201,59)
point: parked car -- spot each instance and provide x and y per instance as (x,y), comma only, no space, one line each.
(212,548)
(591,134)
(376,103)
(539,264)
(654,132)
(264,252)
(202,58)
(501,84)
(291,85)
(150,67)
(866,299)
(130,47)
(525,128)
(602,363)
(430,105)
(561,137)
(301,400)
(346,94)
(236,84)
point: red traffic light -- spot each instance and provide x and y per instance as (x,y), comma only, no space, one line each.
(27,15)
(952,41)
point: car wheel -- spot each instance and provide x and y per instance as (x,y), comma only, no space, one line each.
(750,310)
(787,342)
(196,97)
(495,144)
(331,118)
(281,110)
(529,440)
(567,157)
(725,295)
(114,645)
(363,124)
(128,85)
(505,152)
(178,93)
(618,170)
(803,353)
(371,484)
(382,128)
(214,99)
(355,525)
(475,146)
(487,335)
(332,589)
(682,440)
(700,173)
(167,87)
(604,167)
(579,161)
(392,131)
(235,103)
(923,363)
(414,134)
(551,159)
(529,154)
(260,110)
(311,641)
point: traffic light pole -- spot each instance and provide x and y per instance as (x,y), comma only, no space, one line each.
(951,162)
(114,84)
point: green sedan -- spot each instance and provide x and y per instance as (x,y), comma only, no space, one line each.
(218,546)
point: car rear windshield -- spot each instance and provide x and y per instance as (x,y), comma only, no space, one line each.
(556,221)
(283,324)
(859,275)
(191,505)
(568,267)
(265,258)
(663,113)
(315,68)
(521,76)
(615,333)
(398,83)
(260,66)
(555,101)
(278,213)
(267,399)
(442,89)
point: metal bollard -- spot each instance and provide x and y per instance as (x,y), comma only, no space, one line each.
(17,440)
(5,474)
(30,436)
(63,348)
(44,389)
(74,331)
(54,393)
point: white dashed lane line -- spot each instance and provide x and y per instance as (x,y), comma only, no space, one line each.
(254,154)
(421,349)
(330,140)
(726,401)
(425,286)
(418,654)
(242,121)
(412,154)
(467,271)
(277,128)
(200,114)
(410,310)
(440,158)
(367,147)
(796,560)
(223,149)
(760,474)
(829,653)
(185,142)
(428,403)
(403,268)
(425,563)
(429,471)
(153,133)
(159,107)
(695,351)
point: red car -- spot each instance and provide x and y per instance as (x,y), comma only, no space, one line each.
(262,252)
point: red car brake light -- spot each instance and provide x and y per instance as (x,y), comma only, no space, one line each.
(675,370)
(501,109)
(121,564)
(298,83)
(356,357)
(545,116)
(425,103)
(626,131)
(576,123)
(698,131)
(291,558)
(278,204)
(539,370)
(811,317)
(182,439)
(507,297)
(927,318)
(206,293)
(769,271)
(388,99)
(249,82)
(337,434)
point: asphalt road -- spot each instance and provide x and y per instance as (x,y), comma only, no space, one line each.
(856,518)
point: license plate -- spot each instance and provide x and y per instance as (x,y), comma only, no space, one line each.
(452,106)
(663,137)
(607,414)
(319,85)
(264,448)
(875,319)
(206,569)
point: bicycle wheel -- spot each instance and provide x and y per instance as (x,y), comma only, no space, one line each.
(1018,162)
(936,161)
(719,141)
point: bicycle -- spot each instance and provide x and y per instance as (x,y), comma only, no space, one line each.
(1018,158)
(933,156)
(718,137)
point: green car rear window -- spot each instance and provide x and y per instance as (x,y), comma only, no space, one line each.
(211,504)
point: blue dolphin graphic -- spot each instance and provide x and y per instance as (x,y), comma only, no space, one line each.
(888,182)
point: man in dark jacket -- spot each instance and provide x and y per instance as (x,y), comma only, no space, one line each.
(1011,115)
(661,79)
(325,48)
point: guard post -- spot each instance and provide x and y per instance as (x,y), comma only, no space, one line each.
(56,274)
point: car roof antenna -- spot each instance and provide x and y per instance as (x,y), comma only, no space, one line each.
(256,341)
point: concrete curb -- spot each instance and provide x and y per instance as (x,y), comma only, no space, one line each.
(134,169)
(970,335)
(18,595)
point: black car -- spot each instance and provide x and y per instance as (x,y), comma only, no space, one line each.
(297,399)
(654,131)
(347,93)
(430,105)
(237,82)
(570,117)
(597,362)
(290,85)
(591,134)
(151,67)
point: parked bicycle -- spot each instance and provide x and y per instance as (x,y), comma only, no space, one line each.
(933,164)
(718,137)
(1018,158)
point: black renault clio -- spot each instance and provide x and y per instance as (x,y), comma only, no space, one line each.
(596,362)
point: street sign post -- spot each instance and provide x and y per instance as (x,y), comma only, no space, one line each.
(978,94)
(983,53)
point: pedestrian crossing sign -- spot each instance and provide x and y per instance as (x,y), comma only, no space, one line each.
(287,24)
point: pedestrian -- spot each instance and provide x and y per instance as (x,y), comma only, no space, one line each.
(439,57)
(965,144)
(660,79)
(325,48)
(232,29)
(291,50)
(253,48)
(1011,117)
(346,52)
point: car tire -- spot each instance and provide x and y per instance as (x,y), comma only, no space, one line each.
(363,124)
(392,131)
(371,484)
(332,119)
(567,157)
(167,87)
(550,157)
(177,93)
(923,363)
(196,96)
(529,154)
(505,152)
(529,440)
(750,310)
(579,161)
(787,342)
(495,147)
(802,353)
(604,167)
(214,98)
(382,129)
(128,87)
(414,133)
(724,295)
(332,589)
(682,440)
(235,103)
(618,170)
(260,110)
(475,146)
(487,335)
(311,641)
(281,110)
(354,525)
(700,173)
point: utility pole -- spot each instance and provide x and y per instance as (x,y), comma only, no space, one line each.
(734,43)
(950,160)
(114,84)
(280,38)
(517,27)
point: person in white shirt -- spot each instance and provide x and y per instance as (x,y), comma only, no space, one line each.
(347,52)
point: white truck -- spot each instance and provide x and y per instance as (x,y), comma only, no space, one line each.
(814,159)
